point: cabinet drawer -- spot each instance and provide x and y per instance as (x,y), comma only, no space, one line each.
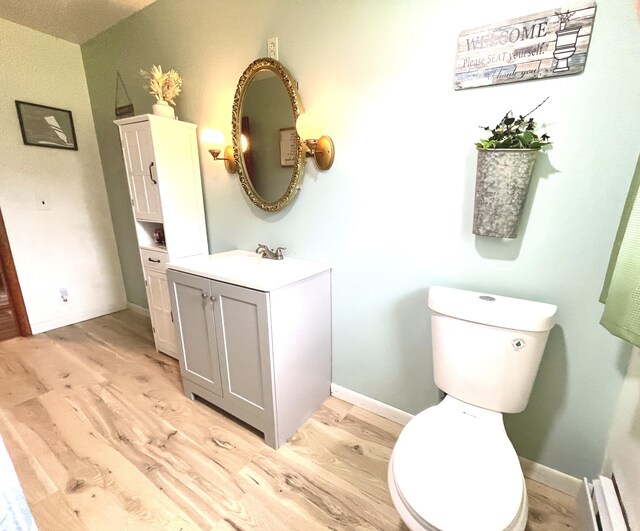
(154,259)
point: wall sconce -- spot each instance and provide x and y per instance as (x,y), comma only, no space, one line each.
(319,146)
(215,139)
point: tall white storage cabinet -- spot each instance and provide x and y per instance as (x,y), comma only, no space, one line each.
(163,172)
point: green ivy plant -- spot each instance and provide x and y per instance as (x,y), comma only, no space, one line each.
(514,133)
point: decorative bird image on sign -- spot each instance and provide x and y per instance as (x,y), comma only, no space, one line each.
(536,46)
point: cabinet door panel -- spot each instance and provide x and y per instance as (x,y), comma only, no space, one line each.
(241,348)
(160,310)
(243,345)
(196,333)
(141,172)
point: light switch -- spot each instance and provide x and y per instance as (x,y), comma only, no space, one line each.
(43,203)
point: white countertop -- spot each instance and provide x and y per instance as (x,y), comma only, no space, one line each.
(248,269)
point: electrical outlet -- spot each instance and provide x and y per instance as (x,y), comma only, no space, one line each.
(64,294)
(272,48)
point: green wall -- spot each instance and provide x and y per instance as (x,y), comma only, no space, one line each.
(394,213)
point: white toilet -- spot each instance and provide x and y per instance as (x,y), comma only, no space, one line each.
(453,467)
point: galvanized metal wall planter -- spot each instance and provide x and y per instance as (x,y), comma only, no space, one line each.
(502,184)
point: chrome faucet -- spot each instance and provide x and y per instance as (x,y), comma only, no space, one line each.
(265,252)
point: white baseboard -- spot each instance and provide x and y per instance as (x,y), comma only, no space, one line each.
(550,477)
(370,404)
(532,470)
(138,309)
(66,320)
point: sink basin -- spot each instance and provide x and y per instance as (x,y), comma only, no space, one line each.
(249,269)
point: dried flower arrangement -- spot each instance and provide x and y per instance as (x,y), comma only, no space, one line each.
(165,86)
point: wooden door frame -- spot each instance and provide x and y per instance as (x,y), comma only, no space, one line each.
(13,284)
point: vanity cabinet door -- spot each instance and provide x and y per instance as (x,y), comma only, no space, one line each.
(164,333)
(194,304)
(243,341)
(137,148)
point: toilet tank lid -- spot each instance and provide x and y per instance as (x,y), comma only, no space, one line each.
(493,310)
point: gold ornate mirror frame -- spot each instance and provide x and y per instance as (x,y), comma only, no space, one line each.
(236,126)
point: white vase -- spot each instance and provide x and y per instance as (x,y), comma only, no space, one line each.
(162,108)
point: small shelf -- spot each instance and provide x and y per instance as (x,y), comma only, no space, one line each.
(146,231)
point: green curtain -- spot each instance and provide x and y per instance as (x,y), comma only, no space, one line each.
(621,291)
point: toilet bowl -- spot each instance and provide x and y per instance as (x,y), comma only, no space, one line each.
(453,467)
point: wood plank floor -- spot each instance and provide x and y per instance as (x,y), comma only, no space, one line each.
(102,438)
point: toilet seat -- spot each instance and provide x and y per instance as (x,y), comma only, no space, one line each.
(454,468)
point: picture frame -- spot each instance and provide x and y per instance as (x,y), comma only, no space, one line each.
(45,126)
(288,147)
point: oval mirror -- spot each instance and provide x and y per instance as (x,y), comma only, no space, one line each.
(266,147)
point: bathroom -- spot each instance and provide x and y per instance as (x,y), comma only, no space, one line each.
(393,215)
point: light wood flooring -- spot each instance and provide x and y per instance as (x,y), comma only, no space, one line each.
(103,439)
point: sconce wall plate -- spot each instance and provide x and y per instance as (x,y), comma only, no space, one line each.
(319,146)
(229,161)
(324,153)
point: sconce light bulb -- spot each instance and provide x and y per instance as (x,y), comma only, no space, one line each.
(244,143)
(213,139)
(309,126)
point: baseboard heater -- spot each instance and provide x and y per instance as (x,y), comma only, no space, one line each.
(598,506)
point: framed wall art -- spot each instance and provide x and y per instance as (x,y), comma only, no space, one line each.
(46,126)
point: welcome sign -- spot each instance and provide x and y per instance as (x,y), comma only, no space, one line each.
(546,44)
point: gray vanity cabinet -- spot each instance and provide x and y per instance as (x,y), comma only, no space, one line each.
(263,356)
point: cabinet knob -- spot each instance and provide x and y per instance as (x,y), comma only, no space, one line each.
(204,295)
(212,298)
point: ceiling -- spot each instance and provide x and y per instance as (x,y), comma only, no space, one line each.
(72,20)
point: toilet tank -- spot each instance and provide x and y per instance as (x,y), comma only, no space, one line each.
(487,348)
